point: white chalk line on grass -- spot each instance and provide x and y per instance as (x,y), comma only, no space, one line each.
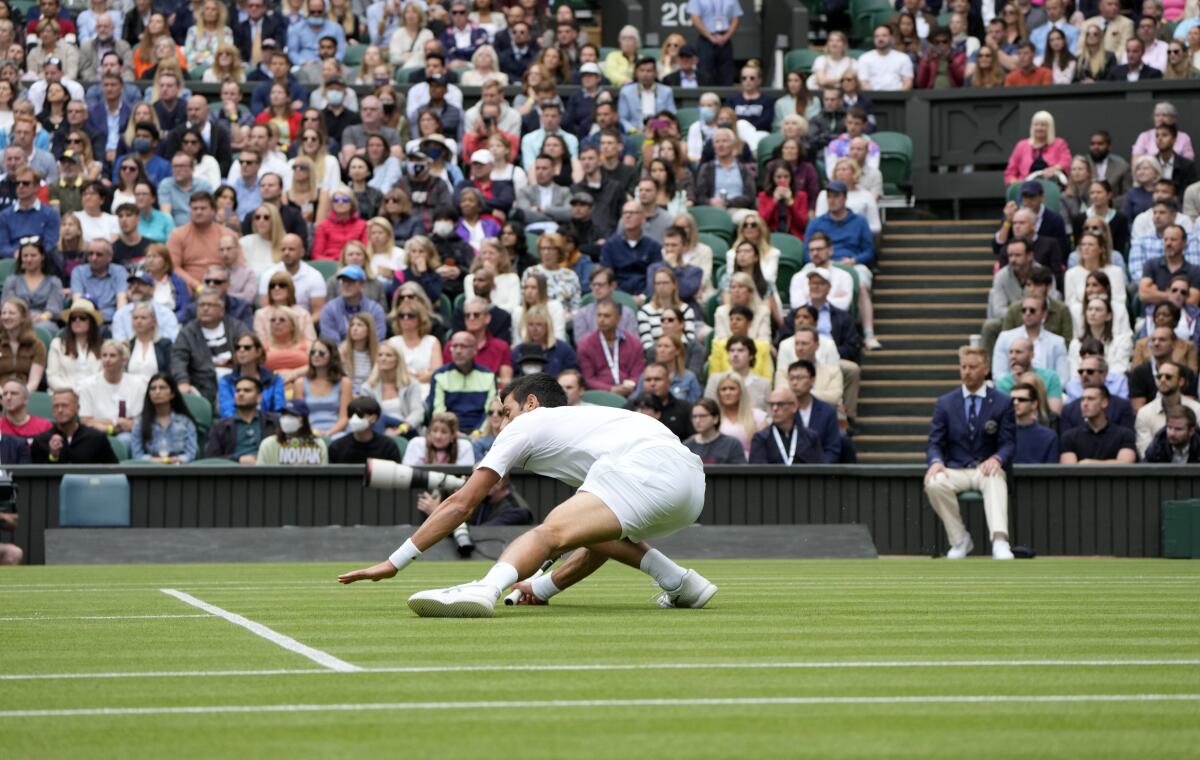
(966,699)
(258,629)
(39,618)
(601,667)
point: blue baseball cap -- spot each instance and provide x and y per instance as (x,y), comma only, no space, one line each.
(352,272)
(1032,189)
(837,186)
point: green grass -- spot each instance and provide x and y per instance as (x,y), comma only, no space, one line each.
(772,614)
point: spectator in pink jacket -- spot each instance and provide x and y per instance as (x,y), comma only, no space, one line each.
(609,359)
(1042,153)
(340,227)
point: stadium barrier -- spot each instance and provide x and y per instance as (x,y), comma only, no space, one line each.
(1054,510)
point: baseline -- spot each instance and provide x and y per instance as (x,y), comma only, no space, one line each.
(599,703)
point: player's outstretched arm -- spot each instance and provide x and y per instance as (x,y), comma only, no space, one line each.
(456,509)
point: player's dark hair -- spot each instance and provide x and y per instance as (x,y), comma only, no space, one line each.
(541,386)
(805,365)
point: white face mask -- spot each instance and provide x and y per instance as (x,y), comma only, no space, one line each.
(358,424)
(289,424)
(443,228)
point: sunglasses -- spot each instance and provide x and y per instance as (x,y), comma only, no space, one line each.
(1027,310)
(406,315)
(1088,371)
(25,183)
(1165,376)
(80,318)
(262,217)
(1021,399)
(29,240)
(246,348)
(341,199)
(318,354)
(312,138)
(210,281)
(278,285)
(391,200)
(129,168)
(74,141)
(474,314)
(247,161)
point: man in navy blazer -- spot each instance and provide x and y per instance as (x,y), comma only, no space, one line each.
(815,414)
(270,26)
(629,103)
(971,440)
(786,438)
(97,123)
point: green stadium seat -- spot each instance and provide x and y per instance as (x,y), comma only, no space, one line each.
(719,246)
(854,299)
(401,443)
(791,260)
(715,221)
(801,60)
(39,405)
(326,267)
(202,412)
(531,240)
(196,73)
(213,462)
(895,161)
(619,296)
(766,147)
(1051,189)
(650,52)
(93,501)
(443,307)
(354,55)
(604,398)
(7,267)
(687,117)
(459,300)
(44,335)
(710,308)
(120,449)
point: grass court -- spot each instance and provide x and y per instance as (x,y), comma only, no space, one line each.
(903,658)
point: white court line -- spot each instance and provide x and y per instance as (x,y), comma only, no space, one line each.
(258,629)
(601,667)
(98,617)
(594,703)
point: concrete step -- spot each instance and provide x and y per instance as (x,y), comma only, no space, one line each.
(934,269)
(921,356)
(969,293)
(891,457)
(937,225)
(936,237)
(918,390)
(919,310)
(892,425)
(941,252)
(958,279)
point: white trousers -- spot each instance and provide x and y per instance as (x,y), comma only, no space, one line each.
(943,493)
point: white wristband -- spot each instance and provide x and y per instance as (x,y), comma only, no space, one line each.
(543,587)
(407,552)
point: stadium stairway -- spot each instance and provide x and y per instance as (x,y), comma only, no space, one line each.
(930,296)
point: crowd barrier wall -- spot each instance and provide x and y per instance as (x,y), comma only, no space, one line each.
(1054,510)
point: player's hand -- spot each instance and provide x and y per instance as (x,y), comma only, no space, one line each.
(990,467)
(373,573)
(527,595)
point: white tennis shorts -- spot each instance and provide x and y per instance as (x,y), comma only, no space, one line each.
(654,492)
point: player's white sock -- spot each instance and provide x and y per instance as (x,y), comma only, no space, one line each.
(502,575)
(543,587)
(659,566)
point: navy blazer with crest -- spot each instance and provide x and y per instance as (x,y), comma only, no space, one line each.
(995,432)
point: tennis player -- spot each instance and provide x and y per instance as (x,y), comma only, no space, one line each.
(635,479)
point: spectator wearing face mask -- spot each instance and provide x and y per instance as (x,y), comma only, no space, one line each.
(364,442)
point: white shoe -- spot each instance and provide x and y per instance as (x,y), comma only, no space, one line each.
(694,592)
(961,549)
(872,344)
(469,600)
(1001,549)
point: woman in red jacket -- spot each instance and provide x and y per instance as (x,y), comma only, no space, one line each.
(783,209)
(279,112)
(340,227)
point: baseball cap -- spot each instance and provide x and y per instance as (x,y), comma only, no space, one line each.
(837,186)
(819,272)
(582,197)
(352,272)
(483,156)
(1031,189)
(140,275)
(687,51)
(590,68)
(436,79)
(297,407)
(69,155)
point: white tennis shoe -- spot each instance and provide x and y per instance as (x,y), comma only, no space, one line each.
(468,600)
(693,592)
(961,549)
(1001,549)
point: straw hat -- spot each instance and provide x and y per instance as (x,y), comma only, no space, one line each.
(85,306)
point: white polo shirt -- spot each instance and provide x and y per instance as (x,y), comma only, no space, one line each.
(308,282)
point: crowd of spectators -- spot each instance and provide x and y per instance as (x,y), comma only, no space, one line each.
(331,261)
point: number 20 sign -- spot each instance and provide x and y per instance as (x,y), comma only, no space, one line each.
(675,14)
